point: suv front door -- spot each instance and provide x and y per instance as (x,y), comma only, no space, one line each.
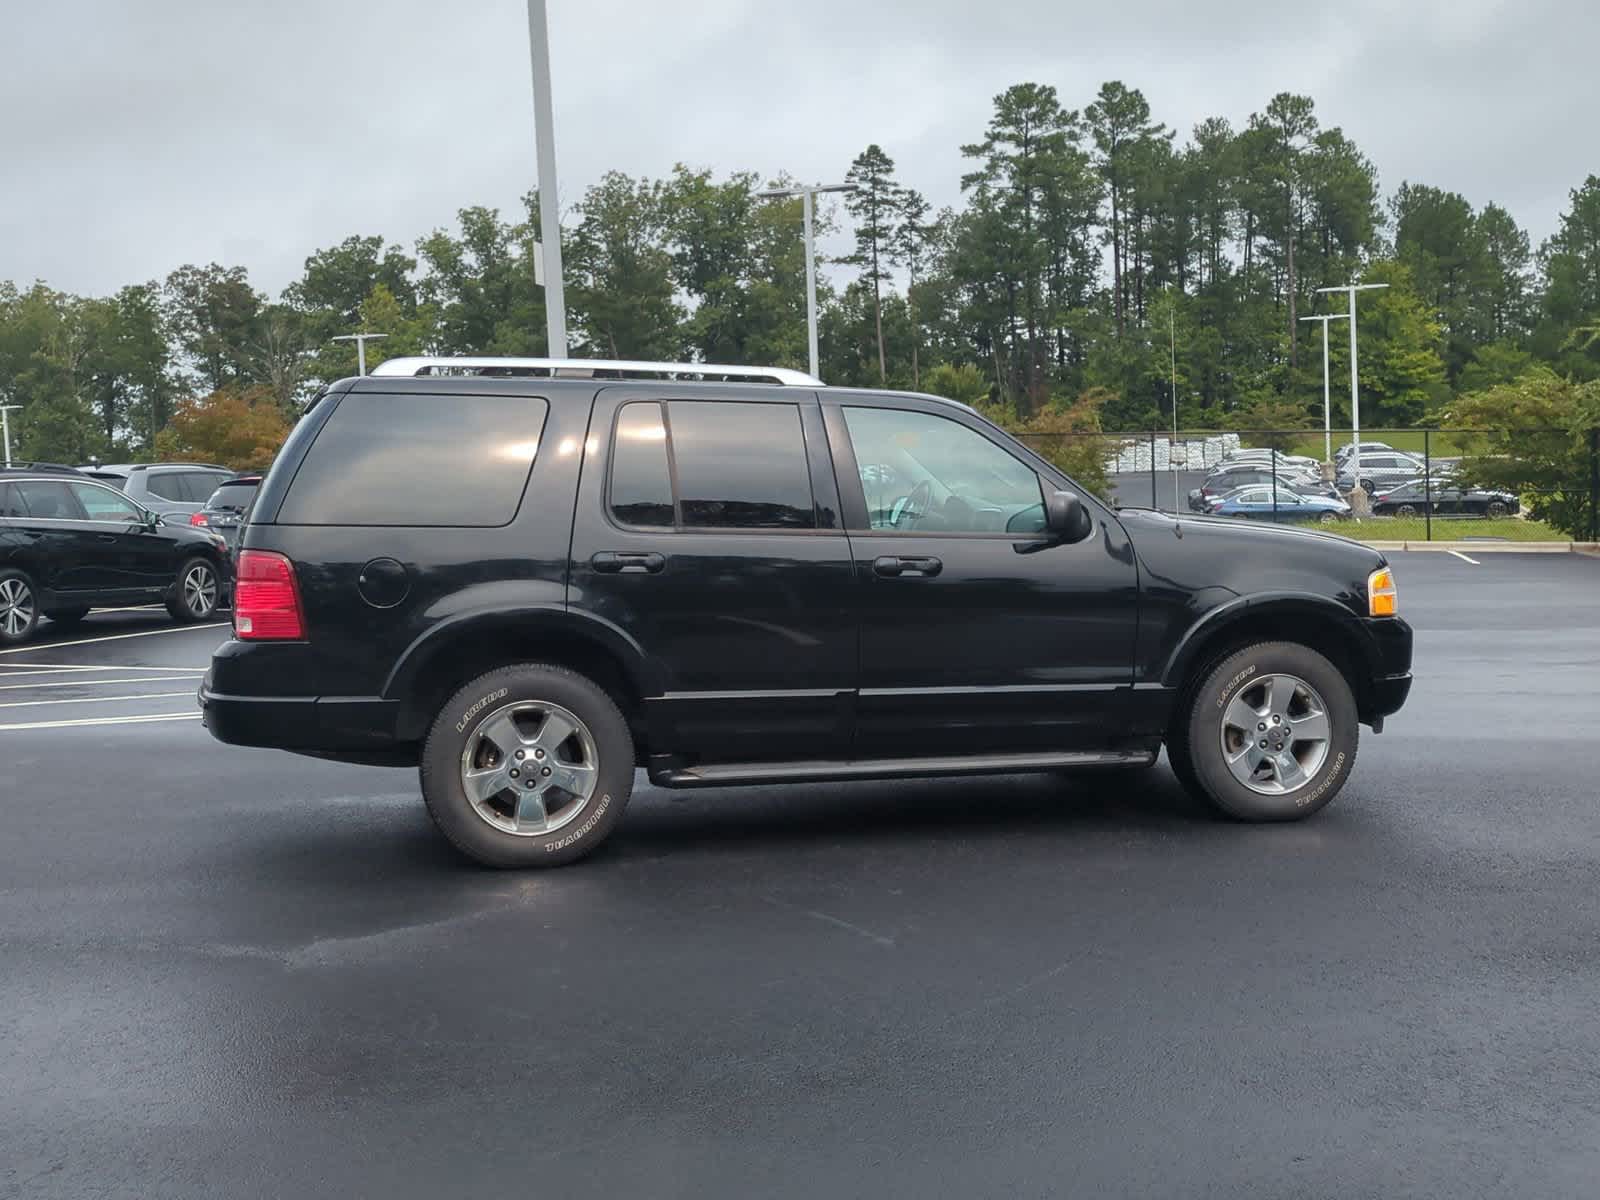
(977,633)
(708,530)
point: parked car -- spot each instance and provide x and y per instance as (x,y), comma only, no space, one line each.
(166,488)
(70,545)
(1262,504)
(1298,461)
(1379,470)
(1443,498)
(1349,448)
(225,511)
(1225,480)
(528,586)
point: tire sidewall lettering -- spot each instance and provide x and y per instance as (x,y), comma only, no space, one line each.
(477,706)
(588,824)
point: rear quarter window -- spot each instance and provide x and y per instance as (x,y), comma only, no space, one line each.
(413,459)
(168,485)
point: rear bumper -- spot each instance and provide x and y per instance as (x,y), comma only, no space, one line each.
(310,724)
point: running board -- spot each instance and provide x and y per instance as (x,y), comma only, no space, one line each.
(725,774)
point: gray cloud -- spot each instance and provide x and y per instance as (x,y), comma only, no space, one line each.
(140,136)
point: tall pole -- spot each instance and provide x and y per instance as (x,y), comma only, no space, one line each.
(361,340)
(811,282)
(5,420)
(1355,396)
(1327,398)
(555,296)
(807,196)
(1172,347)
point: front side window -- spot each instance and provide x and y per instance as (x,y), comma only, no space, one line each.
(47,500)
(927,474)
(102,504)
(736,465)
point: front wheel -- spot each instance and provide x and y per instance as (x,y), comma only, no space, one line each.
(1497,508)
(1406,510)
(194,596)
(1272,733)
(528,766)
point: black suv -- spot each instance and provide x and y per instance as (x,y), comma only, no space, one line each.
(69,544)
(531,585)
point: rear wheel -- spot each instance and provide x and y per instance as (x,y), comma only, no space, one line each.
(1271,734)
(528,766)
(19,609)
(66,617)
(1328,518)
(194,596)
(1406,510)
(1497,508)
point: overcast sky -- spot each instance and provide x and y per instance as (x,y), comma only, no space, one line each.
(135,137)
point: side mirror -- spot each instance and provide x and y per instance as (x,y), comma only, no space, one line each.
(1066,517)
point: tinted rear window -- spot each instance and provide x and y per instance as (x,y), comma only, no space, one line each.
(741,465)
(166,484)
(408,459)
(233,495)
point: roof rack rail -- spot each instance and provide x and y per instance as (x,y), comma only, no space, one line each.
(593,368)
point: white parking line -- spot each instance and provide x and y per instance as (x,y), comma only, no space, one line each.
(102,721)
(93,699)
(117,637)
(1464,558)
(12,669)
(63,668)
(29,687)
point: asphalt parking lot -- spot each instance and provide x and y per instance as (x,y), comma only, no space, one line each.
(233,972)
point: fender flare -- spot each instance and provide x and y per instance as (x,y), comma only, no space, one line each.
(1215,624)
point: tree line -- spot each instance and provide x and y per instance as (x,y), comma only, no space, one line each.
(1084,238)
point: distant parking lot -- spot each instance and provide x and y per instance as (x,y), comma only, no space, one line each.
(240,965)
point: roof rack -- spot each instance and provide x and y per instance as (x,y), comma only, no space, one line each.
(593,368)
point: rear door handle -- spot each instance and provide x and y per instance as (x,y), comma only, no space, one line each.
(618,562)
(893,568)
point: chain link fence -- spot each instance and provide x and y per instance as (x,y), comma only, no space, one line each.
(1410,484)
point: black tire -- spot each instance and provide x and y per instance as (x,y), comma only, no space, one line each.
(1197,747)
(1368,486)
(19,607)
(67,617)
(459,724)
(196,591)
(1406,510)
(1497,508)
(1328,518)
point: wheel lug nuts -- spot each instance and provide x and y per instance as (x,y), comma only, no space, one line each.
(515,772)
(538,753)
(1276,720)
(546,771)
(1263,745)
(520,755)
(531,783)
(1262,726)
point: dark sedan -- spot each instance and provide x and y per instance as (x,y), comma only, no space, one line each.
(1443,499)
(224,513)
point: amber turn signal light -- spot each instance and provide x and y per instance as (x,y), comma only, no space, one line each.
(1382,598)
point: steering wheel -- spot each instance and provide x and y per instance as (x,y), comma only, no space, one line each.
(916,503)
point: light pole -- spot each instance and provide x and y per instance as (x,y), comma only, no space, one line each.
(544,132)
(5,420)
(1327,404)
(806,194)
(361,340)
(1355,396)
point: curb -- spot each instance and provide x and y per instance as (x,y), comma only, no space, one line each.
(1591,549)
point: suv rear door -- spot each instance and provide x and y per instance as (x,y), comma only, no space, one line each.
(976,634)
(708,530)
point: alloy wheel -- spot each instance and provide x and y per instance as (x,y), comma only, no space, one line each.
(529,768)
(1276,734)
(200,590)
(16,607)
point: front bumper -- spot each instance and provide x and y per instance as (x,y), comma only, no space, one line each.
(1389,682)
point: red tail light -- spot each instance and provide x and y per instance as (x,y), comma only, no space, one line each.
(199,518)
(266,599)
